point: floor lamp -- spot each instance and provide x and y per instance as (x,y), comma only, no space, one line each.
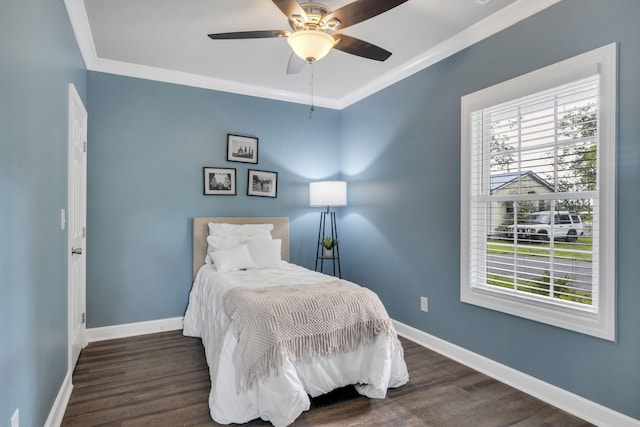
(328,194)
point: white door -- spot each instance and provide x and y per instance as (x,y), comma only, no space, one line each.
(77,214)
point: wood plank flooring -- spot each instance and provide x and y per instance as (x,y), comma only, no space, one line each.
(162,380)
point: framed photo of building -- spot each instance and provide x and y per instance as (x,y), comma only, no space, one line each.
(262,183)
(242,149)
(219,181)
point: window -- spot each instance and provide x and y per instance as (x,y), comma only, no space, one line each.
(538,195)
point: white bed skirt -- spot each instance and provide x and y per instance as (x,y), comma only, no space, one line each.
(283,395)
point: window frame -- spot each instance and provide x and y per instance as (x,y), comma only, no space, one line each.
(601,321)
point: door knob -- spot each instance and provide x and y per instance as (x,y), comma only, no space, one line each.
(76,251)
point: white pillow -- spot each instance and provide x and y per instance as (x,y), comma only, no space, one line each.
(265,253)
(217,243)
(227,236)
(237,258)
(223,229)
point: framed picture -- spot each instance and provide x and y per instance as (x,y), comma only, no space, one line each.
(242,149)
(262,183)
(220,181)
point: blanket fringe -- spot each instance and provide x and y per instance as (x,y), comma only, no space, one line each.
(258,355)
(309,347)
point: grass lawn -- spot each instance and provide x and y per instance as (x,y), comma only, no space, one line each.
(562,288)
(581,250)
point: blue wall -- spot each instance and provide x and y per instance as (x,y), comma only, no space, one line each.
(401,228)
(148,143)
(399,149)
(38,59)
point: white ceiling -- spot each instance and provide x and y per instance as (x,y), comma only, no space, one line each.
(166,40)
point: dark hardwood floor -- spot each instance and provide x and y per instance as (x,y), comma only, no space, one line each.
(162,380)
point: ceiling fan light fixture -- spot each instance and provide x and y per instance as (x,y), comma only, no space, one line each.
(310,45)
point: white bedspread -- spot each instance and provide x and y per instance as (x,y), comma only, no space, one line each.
(282,397)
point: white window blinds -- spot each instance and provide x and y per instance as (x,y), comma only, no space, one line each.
(534,195)
(538,195)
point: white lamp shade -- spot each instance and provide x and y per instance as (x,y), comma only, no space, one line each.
(310,45)
(328,193)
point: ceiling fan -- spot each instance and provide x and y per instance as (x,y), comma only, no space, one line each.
(314,30)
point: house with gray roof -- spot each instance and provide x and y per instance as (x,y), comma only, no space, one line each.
(527,182)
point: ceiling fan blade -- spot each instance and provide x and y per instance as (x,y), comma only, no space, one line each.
(249,35)
(296,64)
(291,9)
(359,47)
(362,10)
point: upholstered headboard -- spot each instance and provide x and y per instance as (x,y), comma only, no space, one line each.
(201,231)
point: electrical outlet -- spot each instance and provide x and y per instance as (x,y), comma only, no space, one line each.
(424,304)
(15,418)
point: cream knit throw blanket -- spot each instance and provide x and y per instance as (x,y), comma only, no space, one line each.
(300,322)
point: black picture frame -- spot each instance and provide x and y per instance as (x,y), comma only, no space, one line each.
(262,183)
(219,181)
(243,149)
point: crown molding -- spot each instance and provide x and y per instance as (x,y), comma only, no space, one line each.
(205,82)
(82,30)
(489,26)
(504,18)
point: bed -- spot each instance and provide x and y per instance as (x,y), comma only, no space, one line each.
(260,365)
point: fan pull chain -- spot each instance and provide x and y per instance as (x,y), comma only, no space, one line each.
(311,108)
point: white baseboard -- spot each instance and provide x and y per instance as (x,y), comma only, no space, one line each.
(560,398)
(60,405)
(133,329)
(579,406)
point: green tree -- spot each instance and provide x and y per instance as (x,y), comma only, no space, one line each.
(502,148)
(579,159)
(577,163)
